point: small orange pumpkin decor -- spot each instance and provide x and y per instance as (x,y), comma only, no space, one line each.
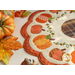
(6,25)
(10,13)
(35,29)
(73,56)
(43,18)
(41,42)
(69,10)
(56,54)
(54,11)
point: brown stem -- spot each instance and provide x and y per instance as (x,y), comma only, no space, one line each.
(49,21)
(71,11)
(56,12)
(43,29)
(63,49)
(52,39)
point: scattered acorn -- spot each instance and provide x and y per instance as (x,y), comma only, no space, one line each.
(29,62)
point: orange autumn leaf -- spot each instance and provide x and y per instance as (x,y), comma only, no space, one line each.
(6,44)
(22,13)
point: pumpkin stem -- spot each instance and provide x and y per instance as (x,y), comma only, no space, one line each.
(63,49)
(52,39)
(0,23)
(43,29)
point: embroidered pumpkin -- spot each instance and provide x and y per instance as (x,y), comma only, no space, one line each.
(35,29)
(56,54)
(10,13)
(6,25)
(43,18)
(54,11)
(41,42)
(73,56)
(69,10)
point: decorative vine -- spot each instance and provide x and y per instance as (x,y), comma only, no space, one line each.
(60,16)
(50,30)
(57,17)
(62,44)
(51,33)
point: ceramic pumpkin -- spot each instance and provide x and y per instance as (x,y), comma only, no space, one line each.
(10,13)
(6,25)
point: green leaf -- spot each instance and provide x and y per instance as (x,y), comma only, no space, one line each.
(74,11)
(48,36)
(57,43)
(50,28)
(71,45)
(50,18)
(26,13)
(5,13)
(47,24)
(52,33)
(61,44)
(64,43)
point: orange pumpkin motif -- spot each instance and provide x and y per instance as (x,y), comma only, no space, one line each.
(73,56)
(35,29)
(6,25)
(41,42)
(54,11)
(56,54)
(43,18)
(69,10)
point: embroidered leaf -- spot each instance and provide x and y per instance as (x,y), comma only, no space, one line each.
(64,43)
(51,18)
(74,11)
(60,44)
(52,33)
(48,36)
(47,24)
(6,44)
(57,42)
(71,45)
